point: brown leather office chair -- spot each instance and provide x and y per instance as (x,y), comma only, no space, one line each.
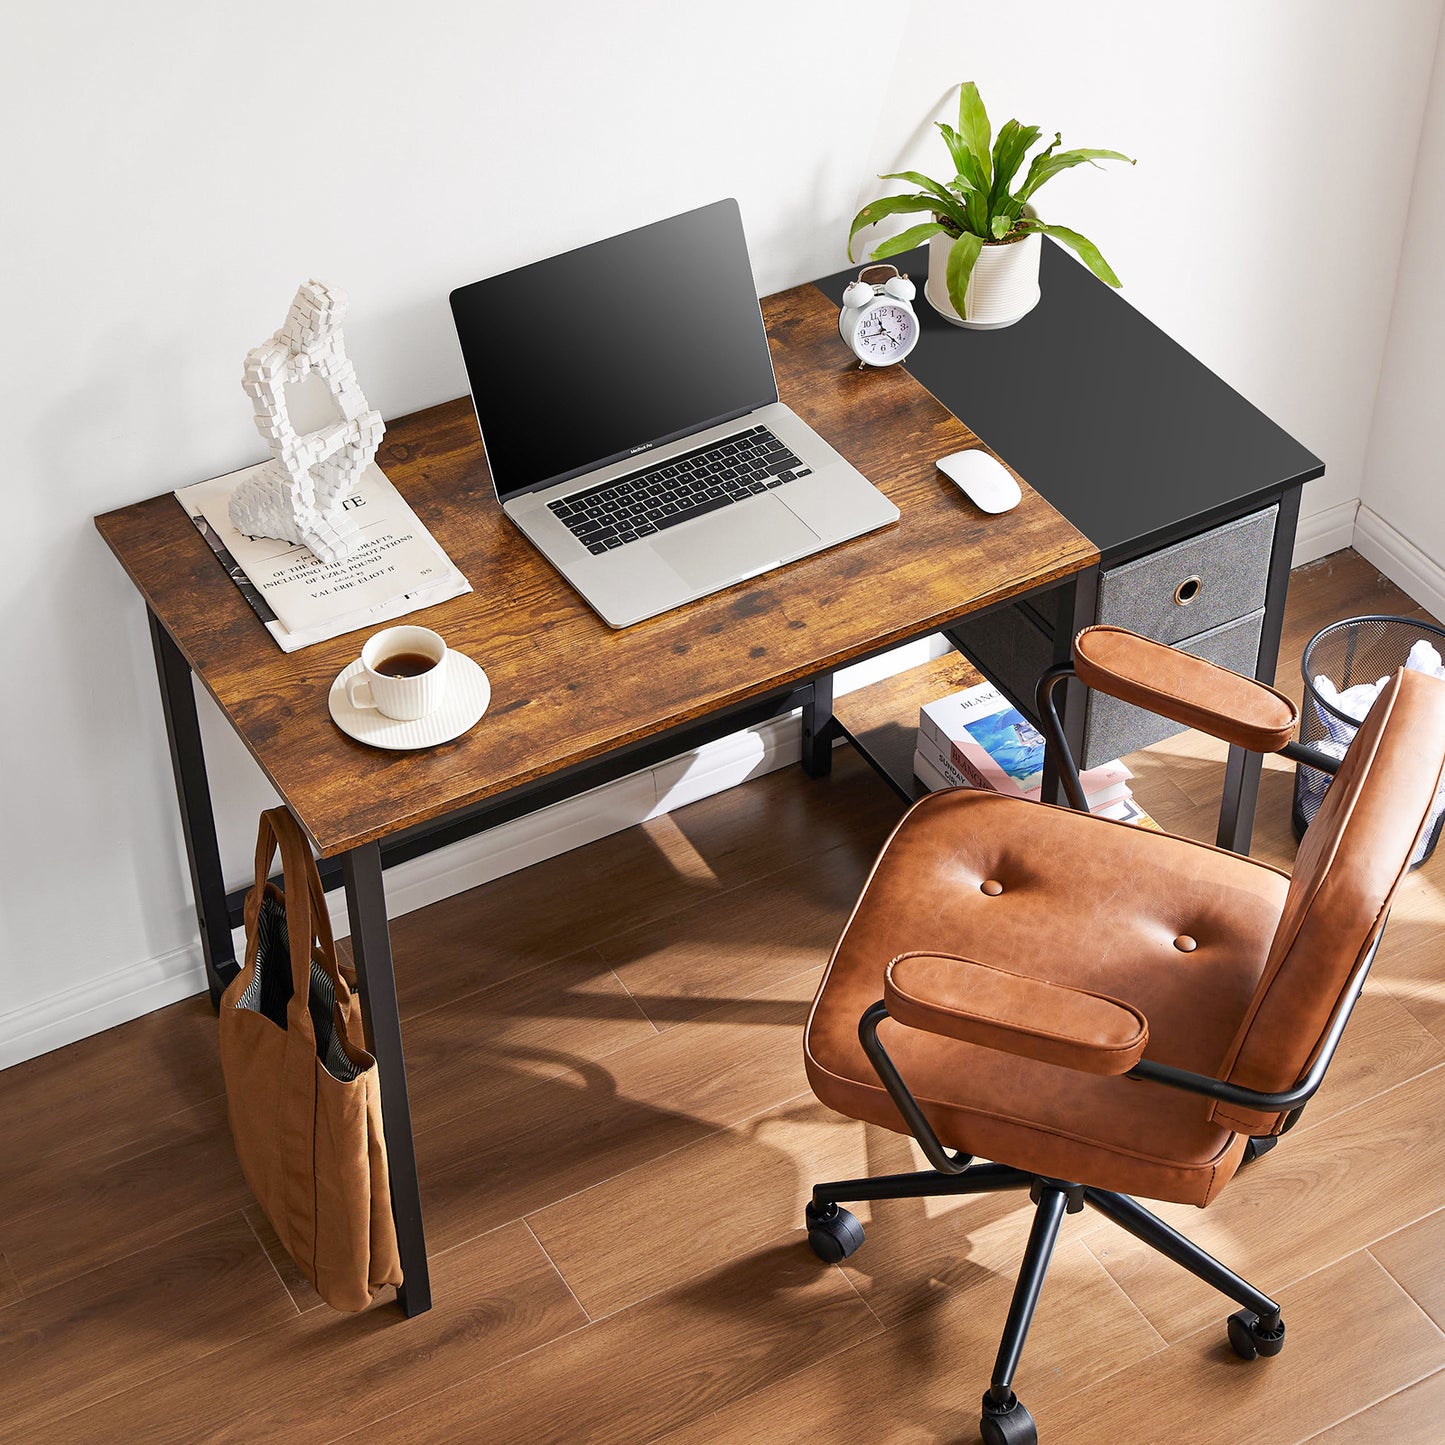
(1105,1010)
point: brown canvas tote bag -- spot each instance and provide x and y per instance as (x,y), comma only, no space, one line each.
(302,1093)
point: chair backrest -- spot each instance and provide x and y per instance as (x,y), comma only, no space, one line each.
(1349,865)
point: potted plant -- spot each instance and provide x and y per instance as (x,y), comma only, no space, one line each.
(983,235)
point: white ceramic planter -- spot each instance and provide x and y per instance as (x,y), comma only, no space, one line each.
(1004,285)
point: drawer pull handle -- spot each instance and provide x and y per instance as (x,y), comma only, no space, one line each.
(1187,591)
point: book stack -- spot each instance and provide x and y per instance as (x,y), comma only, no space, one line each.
(977,739)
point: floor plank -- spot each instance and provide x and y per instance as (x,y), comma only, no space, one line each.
(730,947)
(1354,1337)
(1411,1417)
(564,1135)
(738,1188)
(1415,1257)
(544,1023)
(922,1380)
(325,1374)
(663,1364)
(1325,1192)
(77,1344)
(10,1290)
(118,1201)
(50,1102)
(492,933)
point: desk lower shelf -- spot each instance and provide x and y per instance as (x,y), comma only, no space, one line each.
(881,720)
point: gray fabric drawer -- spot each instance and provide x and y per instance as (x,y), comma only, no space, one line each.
(1114,729)
(1223,575)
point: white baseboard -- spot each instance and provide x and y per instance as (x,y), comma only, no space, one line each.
(92,1007)
(1400,560)
(1320,533)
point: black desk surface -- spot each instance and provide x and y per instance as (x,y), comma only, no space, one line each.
(1132,439)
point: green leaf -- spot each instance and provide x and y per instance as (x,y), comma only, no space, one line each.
(1046,166)
(1012,209)
(971,173)
(973,126)
(879,210)
(1000,225)
(905,240)
(1008,154)
(975,206)
(1087,251)
(961,258)
(949,204)
(1035,165)
(954,142)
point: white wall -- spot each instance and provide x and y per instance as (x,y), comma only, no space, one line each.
(1275,144)
(1402,516)
(172,170)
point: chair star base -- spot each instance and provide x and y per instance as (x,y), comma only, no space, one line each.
(834,1234)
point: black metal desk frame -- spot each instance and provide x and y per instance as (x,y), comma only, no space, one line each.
(360,870)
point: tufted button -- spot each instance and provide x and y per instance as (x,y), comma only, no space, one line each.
(991,886)
(1185,944)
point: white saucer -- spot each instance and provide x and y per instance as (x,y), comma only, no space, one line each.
(467,694)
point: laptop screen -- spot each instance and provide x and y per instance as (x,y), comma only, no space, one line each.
(614,348)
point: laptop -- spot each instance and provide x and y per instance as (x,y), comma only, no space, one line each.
(627,404)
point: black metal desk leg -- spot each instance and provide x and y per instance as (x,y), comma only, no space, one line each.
(371,948)
(1241,793)
(1241,774)
(198,822)
(1078,601)
(818,728)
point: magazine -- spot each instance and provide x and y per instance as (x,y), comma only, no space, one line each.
(980,736)
(935,776)
(398,569)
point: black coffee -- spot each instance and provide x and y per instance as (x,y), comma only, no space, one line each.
(405,664)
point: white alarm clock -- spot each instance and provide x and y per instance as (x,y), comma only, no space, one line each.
(877,319)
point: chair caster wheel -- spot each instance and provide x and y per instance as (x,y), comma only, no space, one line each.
(833,1233)
(1248,1340)
(1011,1426)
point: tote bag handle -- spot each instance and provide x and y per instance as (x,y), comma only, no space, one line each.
(308,921)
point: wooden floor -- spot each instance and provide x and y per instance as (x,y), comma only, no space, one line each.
(616,1142)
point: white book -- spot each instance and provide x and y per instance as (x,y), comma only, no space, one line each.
(927,773)
(930,772)
(991,744)
(398,569)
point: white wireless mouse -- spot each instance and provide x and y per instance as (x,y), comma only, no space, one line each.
(983,479)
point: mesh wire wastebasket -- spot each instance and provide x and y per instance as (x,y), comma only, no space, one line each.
(1359,650)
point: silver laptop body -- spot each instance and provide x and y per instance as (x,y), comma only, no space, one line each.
(701,509)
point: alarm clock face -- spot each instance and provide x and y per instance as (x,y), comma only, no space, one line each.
(885,334)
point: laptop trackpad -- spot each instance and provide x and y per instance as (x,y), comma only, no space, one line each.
(746,537)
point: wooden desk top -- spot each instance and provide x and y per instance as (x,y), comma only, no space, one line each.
(565,687)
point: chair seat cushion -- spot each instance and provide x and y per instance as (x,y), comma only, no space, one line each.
(1175,929)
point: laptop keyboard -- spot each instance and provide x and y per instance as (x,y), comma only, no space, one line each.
(677,490)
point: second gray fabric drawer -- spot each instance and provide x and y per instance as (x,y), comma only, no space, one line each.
(1115,728)
(1193,586)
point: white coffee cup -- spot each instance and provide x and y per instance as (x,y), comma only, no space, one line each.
(417,679)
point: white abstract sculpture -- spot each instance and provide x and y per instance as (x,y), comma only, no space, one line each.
(300,494)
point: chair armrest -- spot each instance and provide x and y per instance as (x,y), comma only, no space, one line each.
(1028,1017)
(1176,685)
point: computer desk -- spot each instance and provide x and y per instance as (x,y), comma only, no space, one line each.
(575,704)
